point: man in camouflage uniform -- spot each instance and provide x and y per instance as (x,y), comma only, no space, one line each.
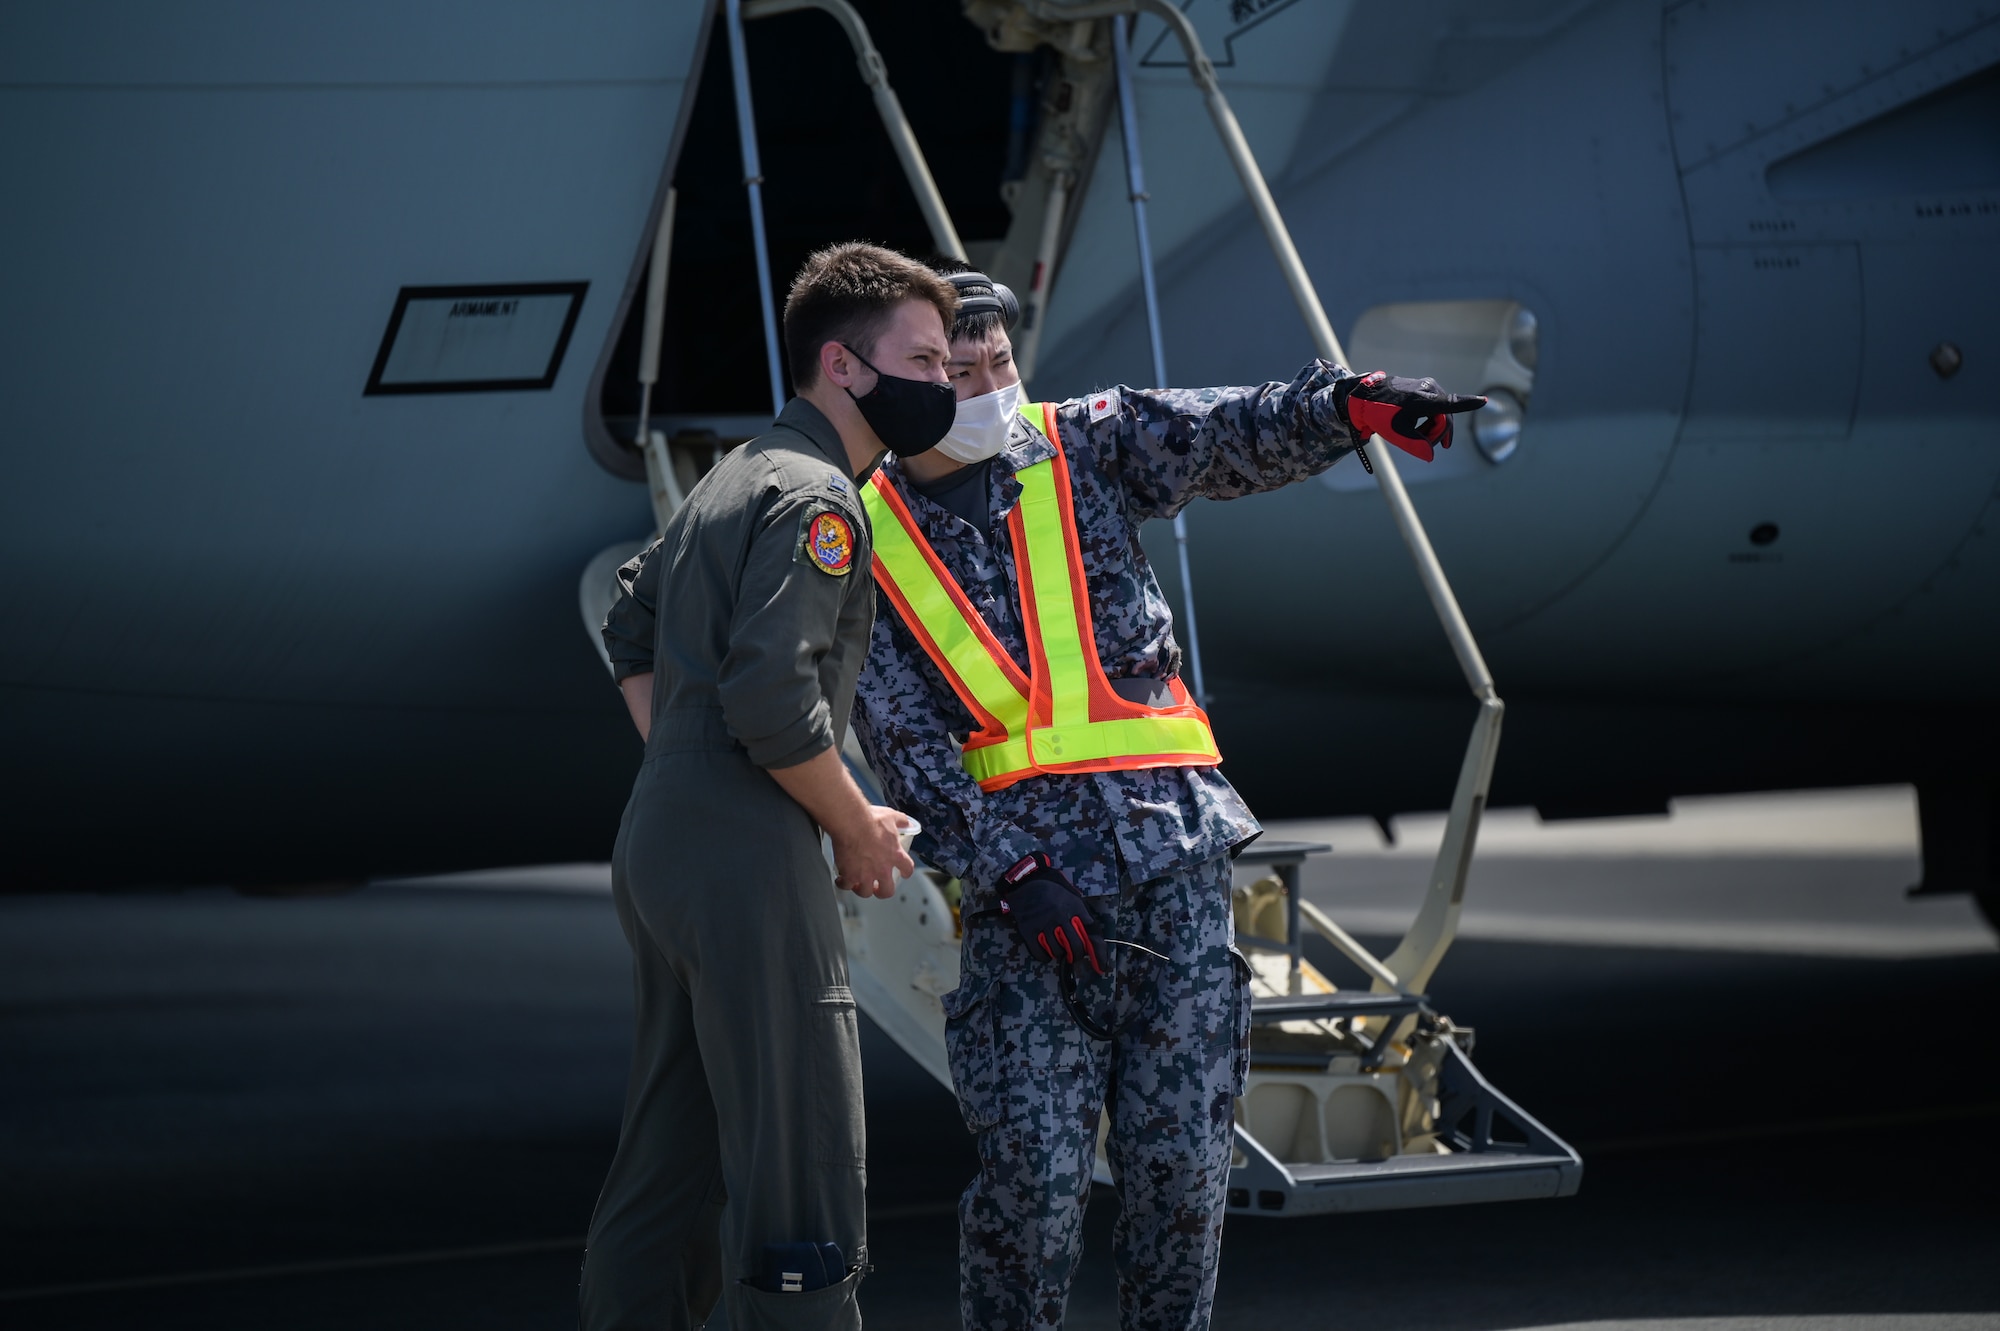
(1148,848)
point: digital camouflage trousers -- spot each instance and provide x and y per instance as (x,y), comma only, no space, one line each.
(1032,1084)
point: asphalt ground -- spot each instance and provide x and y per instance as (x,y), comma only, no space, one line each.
(393,1109)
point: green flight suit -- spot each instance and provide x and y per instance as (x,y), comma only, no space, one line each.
(753,610)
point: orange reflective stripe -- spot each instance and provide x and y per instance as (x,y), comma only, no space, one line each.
(1061,715)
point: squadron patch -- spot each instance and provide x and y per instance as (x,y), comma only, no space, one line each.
(828,542)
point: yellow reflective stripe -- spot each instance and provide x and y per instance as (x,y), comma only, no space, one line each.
(996,760)
(1047,553)
(940,616)
(1127,737)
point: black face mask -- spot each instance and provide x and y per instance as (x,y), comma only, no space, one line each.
(909,416)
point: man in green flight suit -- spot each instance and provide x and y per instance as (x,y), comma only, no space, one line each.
(740,1164)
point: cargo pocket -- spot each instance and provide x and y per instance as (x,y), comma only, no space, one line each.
(971,1046)
(1240,1069)
(832,1308)
(839,1134)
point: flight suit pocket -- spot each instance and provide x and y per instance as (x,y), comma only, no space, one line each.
(832,1308)
(971,1047)
(1240,1068)
(839,1135)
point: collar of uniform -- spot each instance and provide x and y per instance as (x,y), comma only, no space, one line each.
(1024,448)
(1026,445)
(808,420)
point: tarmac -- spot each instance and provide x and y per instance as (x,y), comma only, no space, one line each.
(393,1108)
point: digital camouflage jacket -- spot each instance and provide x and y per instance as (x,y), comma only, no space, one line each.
(1133,454)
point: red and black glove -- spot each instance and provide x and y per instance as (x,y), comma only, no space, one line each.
(1050,913)
(1412,414)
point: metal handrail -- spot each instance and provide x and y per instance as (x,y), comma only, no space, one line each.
(1135,179)
(901,137)
(1350,947)
(753,182)
(1431,933)
(662,485)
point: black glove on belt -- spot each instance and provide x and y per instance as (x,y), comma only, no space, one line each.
(1050,913)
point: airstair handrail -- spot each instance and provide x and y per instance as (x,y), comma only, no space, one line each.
(1135,181)
(753,185)
(904,139)
(1436,924)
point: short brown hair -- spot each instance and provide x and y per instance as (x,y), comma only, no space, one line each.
(845,293)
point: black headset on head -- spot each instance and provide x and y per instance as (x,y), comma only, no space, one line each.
(980,294)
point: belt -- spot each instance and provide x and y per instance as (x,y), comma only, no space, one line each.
(680,729)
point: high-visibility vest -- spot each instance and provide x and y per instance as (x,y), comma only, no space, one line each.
(1061,716)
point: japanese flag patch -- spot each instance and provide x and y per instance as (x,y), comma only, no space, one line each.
(1104,404)
(827,542)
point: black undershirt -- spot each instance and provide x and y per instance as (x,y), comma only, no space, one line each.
(964,493)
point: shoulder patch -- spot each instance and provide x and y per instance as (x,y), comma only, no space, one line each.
(1104,404)
(826,541)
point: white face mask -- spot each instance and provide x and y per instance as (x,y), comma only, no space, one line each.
(981,428)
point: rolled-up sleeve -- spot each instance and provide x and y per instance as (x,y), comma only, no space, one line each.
(787,612)
(632,621)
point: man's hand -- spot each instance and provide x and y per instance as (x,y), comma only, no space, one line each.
(867,845)
(869,856)
(1050,913)
(1412,414)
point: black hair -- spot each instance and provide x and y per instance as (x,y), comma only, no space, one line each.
(986,307)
